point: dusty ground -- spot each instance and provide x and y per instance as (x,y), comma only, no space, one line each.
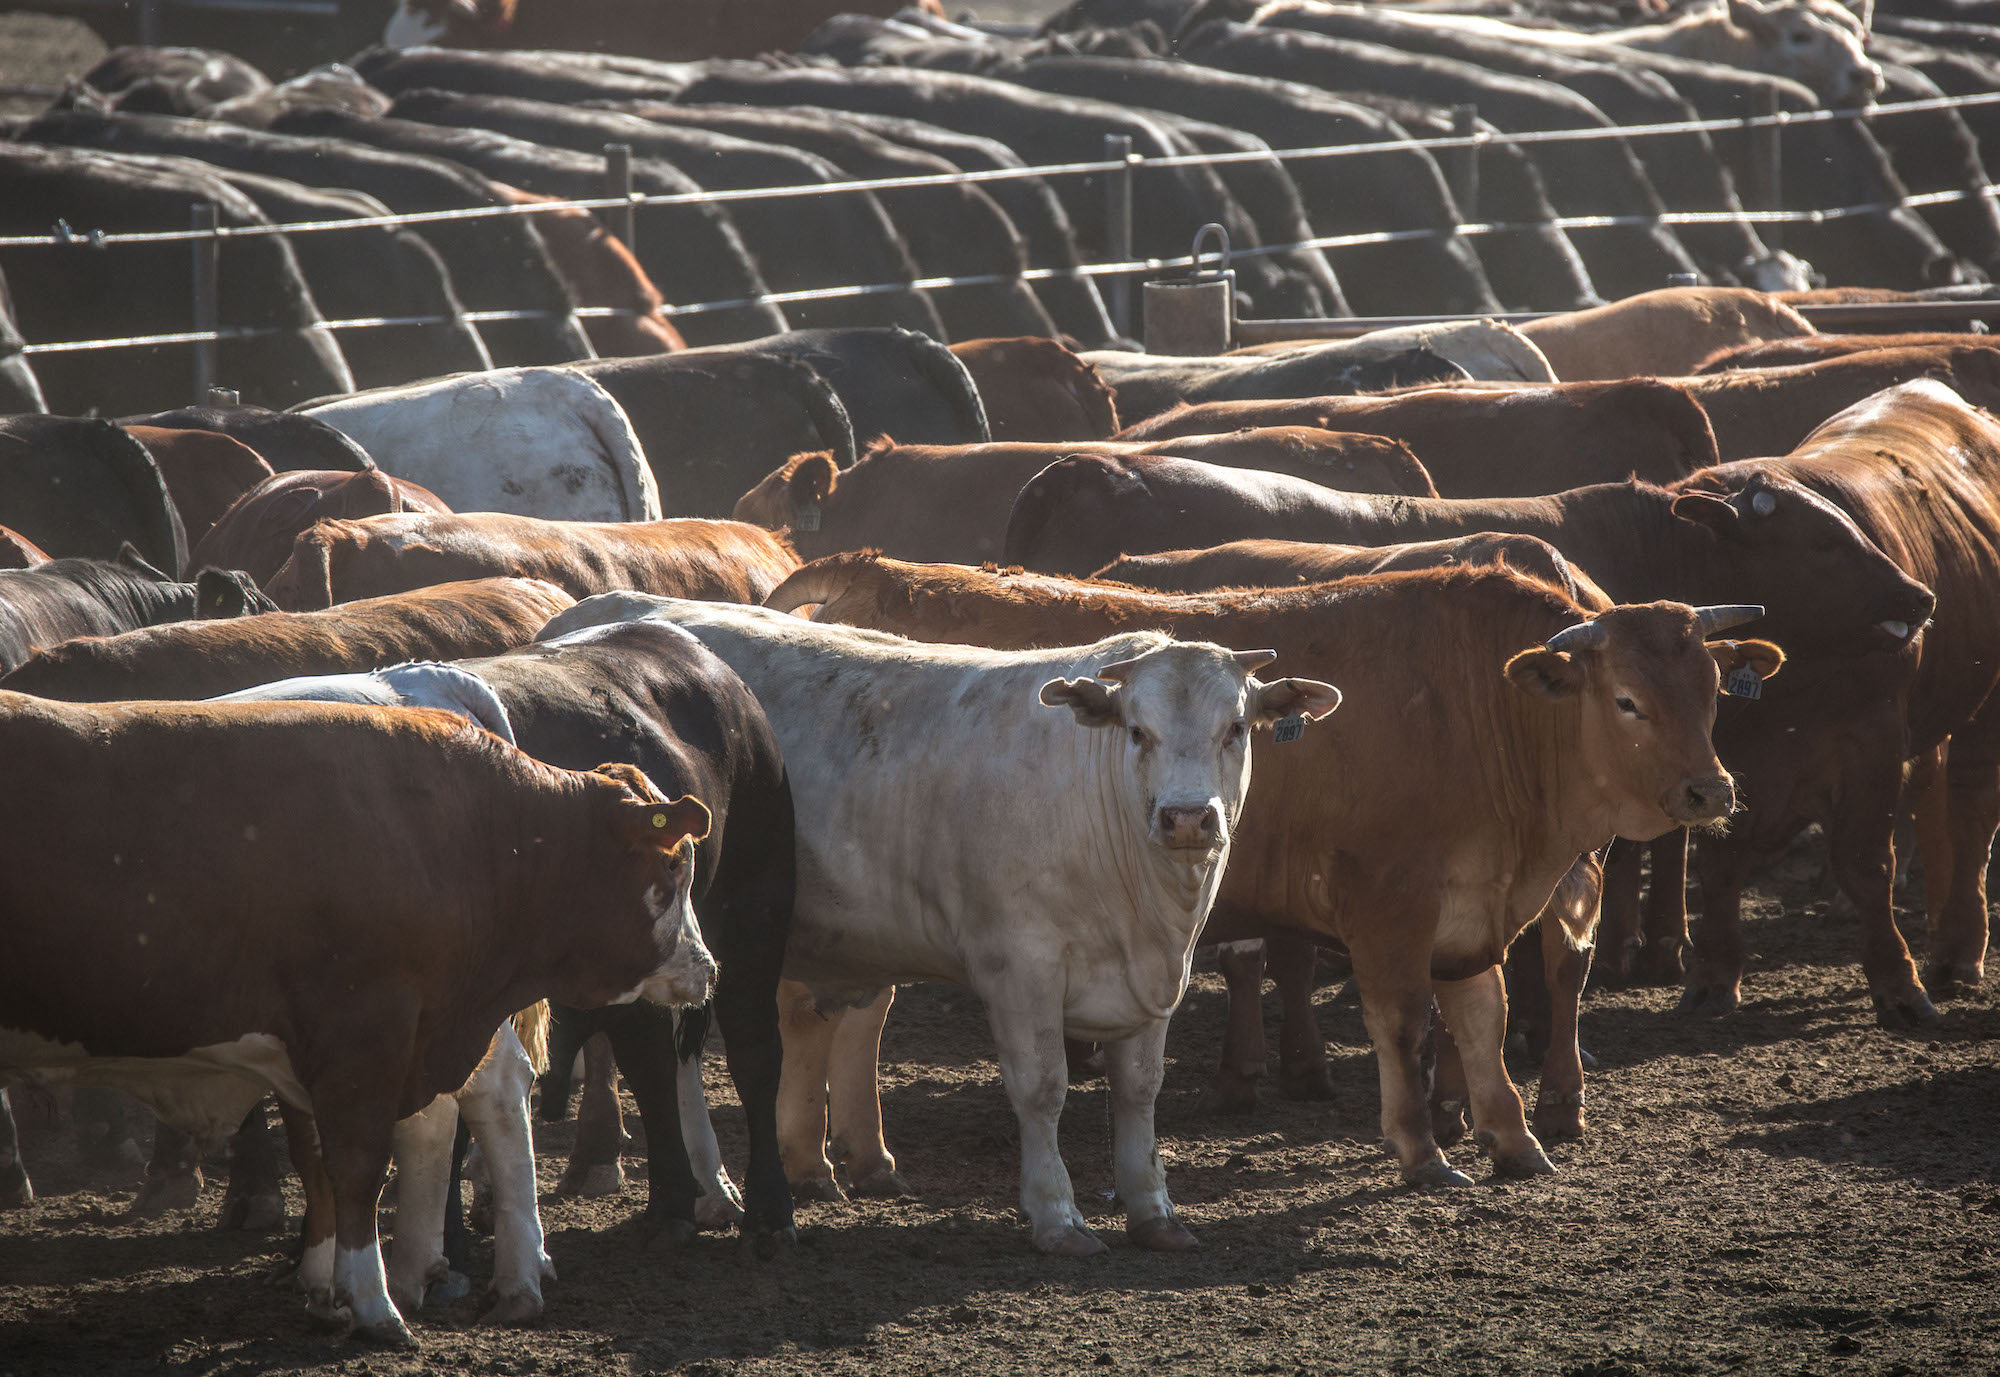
(1789,1190)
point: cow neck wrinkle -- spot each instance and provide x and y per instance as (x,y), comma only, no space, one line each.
(1597,528)
(1169,899)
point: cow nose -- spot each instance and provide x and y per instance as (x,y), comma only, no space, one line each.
(1704,800)
(1190,827)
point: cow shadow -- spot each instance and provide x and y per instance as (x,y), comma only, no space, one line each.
(1939,1131)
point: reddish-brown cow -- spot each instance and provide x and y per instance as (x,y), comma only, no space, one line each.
(1038,389)
(687,557)
(1812,348)
(19,552)
(205,471)
(256,534)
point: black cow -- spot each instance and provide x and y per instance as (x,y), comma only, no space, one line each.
(173,81)
(284,439)
(67,598)
(83,488)
(498,263)
(18,389)
(649,695)
(68,292)
(800,243)
(691,252)
(1604,178)
(567,78)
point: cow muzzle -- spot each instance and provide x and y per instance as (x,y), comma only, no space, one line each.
(1196,829)
(686,978)
(1863,85)
(1698,801)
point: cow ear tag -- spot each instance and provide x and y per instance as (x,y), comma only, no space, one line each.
(1289,729)
(1743,683)
(805,516)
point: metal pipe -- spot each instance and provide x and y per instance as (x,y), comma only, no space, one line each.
(623,221)
(1465,178)
(207,297)
(1767,167)
(1834,314)
(1118,230)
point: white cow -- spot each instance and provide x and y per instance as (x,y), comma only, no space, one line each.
(544,442)
(1060,864)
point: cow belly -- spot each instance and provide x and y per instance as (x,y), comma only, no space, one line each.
(205,1091)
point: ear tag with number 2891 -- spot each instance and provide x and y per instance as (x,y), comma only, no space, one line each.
(1289,729)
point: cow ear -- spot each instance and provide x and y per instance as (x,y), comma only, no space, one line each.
(813,479)
(129,556)
(1763,658)
(663,826)
(220,593)
(1706,509)
(1094,702)
(1292,698)
(1546,673)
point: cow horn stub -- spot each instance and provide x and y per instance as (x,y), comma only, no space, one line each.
(1250,661)
(1718,619)
(1115,673)
(1583,636)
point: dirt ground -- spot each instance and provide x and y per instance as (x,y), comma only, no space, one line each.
(1788,1190)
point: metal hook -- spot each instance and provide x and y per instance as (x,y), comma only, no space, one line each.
(1221,253)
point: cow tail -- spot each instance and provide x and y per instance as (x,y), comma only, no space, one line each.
(819,582)
(1094,395)
(305,582)
(829,417)
(691,1030)
(531,1026)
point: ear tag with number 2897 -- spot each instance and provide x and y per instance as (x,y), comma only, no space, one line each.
(1743,683)
(1289,729)
(805,517)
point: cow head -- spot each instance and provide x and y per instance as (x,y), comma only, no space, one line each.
(1644,681)
(659,835)
(455,23)
(789,497)
(1183,715)
(1827,585)
(1817,43)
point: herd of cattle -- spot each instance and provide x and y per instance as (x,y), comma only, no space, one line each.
(384,751)
(420,129)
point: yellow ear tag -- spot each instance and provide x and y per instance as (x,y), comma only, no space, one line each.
(660,821)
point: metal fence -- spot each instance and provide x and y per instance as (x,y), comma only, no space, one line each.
(1119,167)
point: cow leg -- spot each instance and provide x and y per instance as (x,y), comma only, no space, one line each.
(755,1052)
(104,1128)
(315,1274)
(566,1038)
(1714,982)
(255,1198)
(1396,1005)
(854,1100)
(1302,1070)
(15,1188)
(1449,1095)
(1026,1017)
(423,1176)
(594,1168)
(355,1137)
(1233,1089)
(720,1205)
(1660,961)
(1957,956)
(1860,837)
(808,1045)
(1927,800)
(494,1104)
(1559,1097)
(1475,1010)
(1618,932)
(173,1174)
(1135,1066)
(642,1036)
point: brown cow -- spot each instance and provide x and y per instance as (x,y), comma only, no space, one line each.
(681,32)
(205,471)
(1501,442)
(1812,348)
(1425,875)
(688,557)
(256,534)
(19,552)
(240,930)
(597,269)
(203,659)
(1660,333)
(1038,389)
(950,502)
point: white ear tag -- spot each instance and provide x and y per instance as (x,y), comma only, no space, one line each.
(1743,683)
(1289,729)
(805,516)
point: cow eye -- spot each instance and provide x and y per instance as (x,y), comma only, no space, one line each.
(1628,707)
(1235,732)
(1139,737)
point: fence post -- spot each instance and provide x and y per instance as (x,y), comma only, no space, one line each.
(148,23)
(1118,230)
(1465,177)
(618,182)
(207,304)
(1767,168)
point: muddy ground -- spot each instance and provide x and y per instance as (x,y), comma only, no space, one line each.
(1788,1190)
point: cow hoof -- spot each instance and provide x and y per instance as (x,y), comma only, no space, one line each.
(105,1153)
(1436,1172)
(254,1213)
(388,1333)
(1448,1121)
(605,1178)
(881,1183)
(714,1213)
(522,1307)
(15,1189)
(1313,1081)
(1906,1009)
(670,1235)
(1070,1241)
(1953,979)
(1084,1059)
(821,1188)
(162,1193)
(1529,1161)
(1709,1001)
(452,1286)
(1162,1234)
(766,1244)
(1559,1120)
(1235,1097)
(322,1313)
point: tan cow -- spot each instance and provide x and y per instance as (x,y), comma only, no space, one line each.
(1659,334)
